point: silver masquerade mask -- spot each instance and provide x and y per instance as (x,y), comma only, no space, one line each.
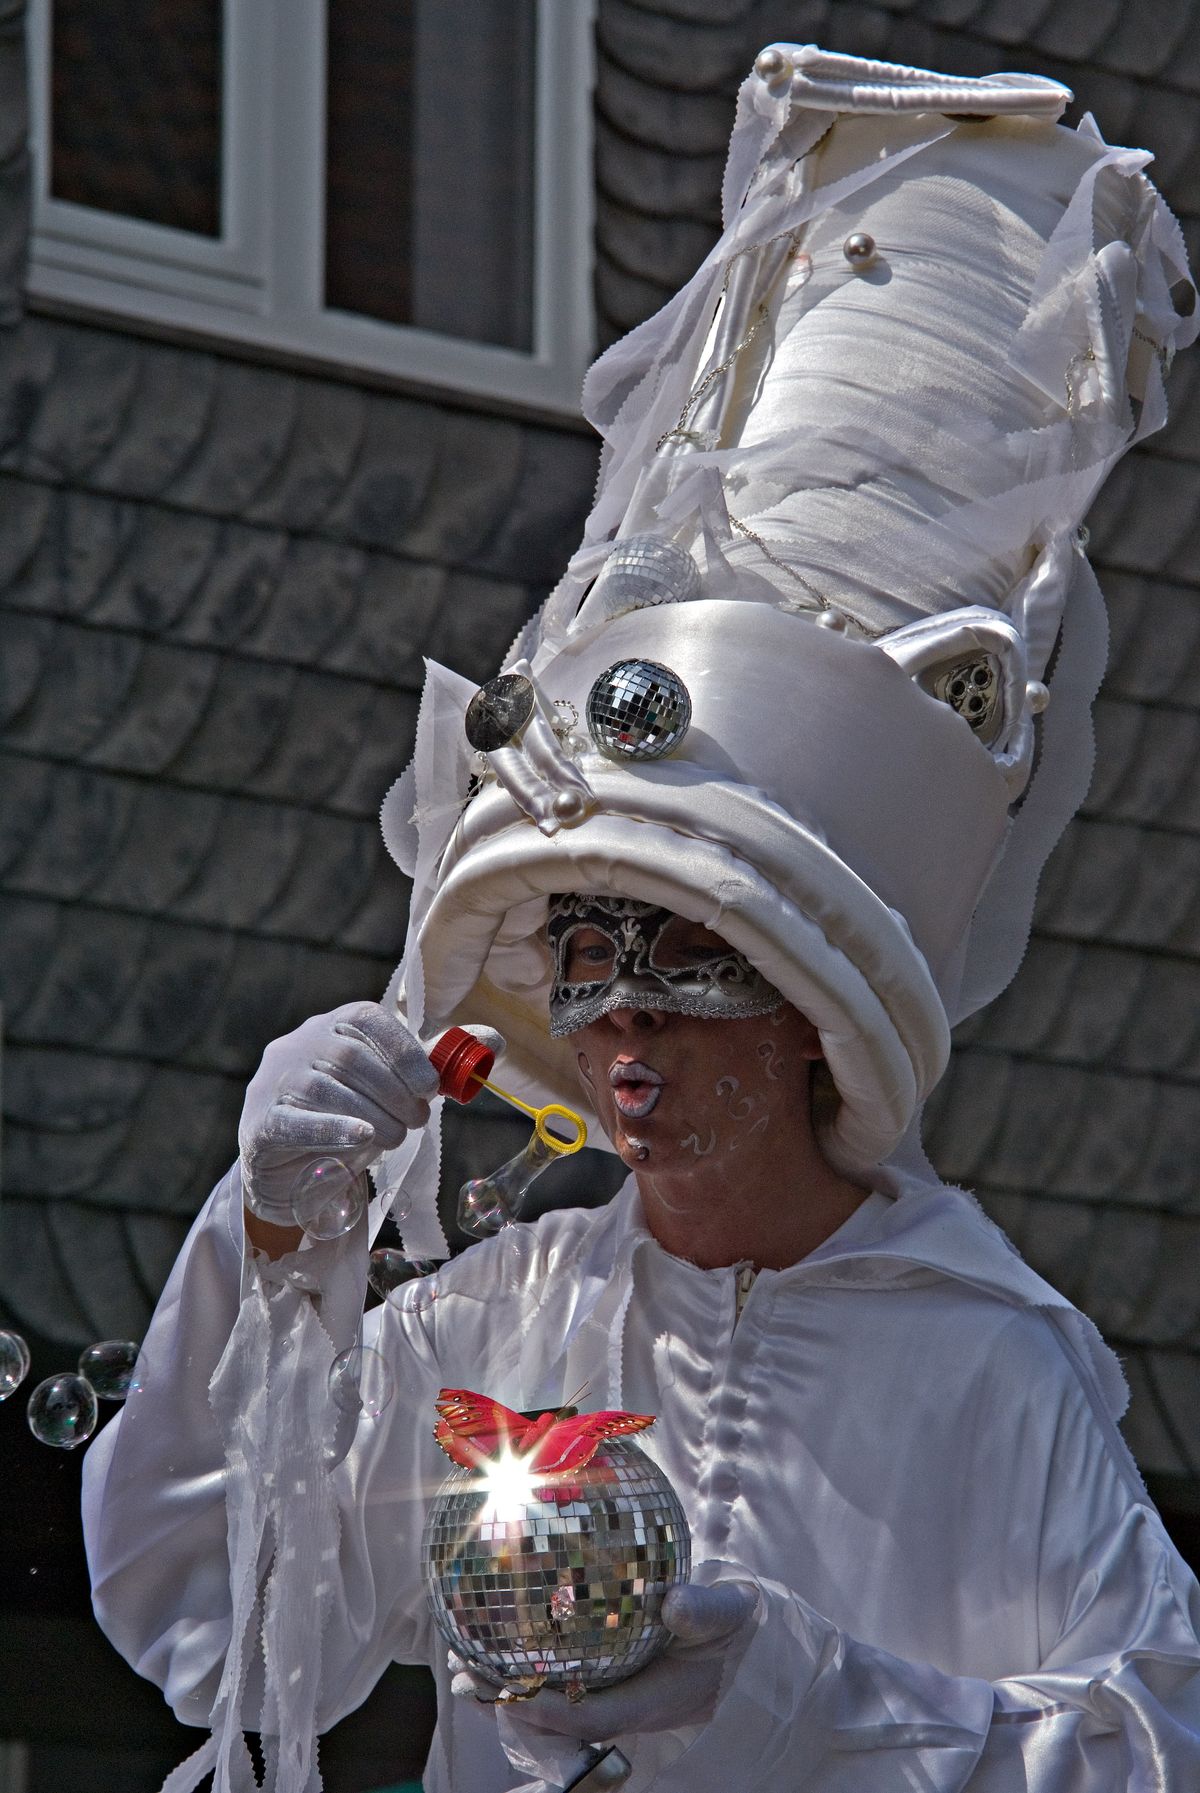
(644,958)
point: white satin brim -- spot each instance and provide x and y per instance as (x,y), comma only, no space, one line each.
(847,961)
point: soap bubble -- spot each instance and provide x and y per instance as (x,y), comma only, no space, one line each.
(360,1381)
(482,1209)
(328,1199)
(389,1268)
(62,1411)
(14,1363)
(113,1368)
(396,1201)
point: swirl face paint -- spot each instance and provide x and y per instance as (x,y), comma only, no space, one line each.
(692,1144)
(726,1091)
(740,1108)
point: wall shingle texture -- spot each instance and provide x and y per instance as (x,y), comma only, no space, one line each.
(219,585)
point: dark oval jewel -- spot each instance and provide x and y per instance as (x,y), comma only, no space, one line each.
(498,711)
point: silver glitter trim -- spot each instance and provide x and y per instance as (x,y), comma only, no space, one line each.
(668,1002)
(727,987)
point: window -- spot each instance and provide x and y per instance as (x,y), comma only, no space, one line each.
(397,186)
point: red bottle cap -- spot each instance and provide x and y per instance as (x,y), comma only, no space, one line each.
(460,1060)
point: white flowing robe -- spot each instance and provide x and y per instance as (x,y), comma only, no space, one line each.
(907,1439)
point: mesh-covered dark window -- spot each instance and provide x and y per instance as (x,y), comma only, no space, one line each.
(136,109)
(429,197)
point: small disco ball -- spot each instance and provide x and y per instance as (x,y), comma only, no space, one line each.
(646,569)
(556,1579)
(638,710)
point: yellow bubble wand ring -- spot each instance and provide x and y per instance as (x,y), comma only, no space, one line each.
(541,1117)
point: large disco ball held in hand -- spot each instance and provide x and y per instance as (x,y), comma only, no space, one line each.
(550,1546)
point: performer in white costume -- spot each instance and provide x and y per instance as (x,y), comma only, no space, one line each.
(755,815)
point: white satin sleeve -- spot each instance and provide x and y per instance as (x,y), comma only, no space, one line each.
(232,1459)
(197,1467)
(1113,1705)
(153,1480)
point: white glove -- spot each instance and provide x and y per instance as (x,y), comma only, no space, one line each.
(346,1085)
(680,1688)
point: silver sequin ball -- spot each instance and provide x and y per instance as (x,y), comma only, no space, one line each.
(525,1583)
(638,710)
(643,570)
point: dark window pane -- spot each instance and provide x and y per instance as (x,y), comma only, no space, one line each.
(369,158)
(136,105)
(429,197)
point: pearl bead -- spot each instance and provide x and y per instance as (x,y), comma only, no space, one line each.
(568,806)
(831,619)
(1036,696)
(859,249)
(771,65)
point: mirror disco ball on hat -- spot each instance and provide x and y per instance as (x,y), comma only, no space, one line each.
(642,570)
(638,710)
(556,1579)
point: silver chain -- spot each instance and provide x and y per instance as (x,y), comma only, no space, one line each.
(821,601)
(680,432)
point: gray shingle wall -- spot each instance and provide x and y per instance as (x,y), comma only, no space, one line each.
(1073,1106)
(219,584)
(667,70)
(14,159)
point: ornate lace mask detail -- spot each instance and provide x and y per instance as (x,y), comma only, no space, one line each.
(613,953)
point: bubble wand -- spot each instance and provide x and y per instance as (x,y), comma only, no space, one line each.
(485,1204)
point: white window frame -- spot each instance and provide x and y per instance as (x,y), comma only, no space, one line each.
(260,284)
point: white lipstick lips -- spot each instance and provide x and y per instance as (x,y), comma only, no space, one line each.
(636,1088)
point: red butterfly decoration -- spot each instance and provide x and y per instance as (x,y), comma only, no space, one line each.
(473,1430)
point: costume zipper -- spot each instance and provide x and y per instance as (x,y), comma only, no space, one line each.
(746,1274)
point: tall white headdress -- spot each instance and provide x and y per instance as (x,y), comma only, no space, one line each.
(820,675)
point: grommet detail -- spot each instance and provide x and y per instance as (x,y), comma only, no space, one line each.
(972,689)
